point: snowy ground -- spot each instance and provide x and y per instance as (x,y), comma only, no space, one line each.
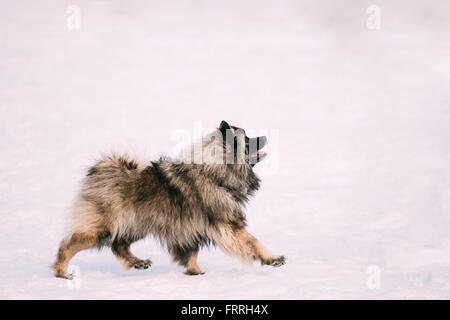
(362,116)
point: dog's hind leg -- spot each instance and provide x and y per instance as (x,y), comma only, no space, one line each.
(186,258)
(242,244)
(69,248)
(121,250)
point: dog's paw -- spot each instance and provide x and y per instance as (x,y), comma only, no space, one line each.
(64,275)
(142,264)
(193,272)
(276,262)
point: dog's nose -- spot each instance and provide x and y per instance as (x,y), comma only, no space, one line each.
(262,141)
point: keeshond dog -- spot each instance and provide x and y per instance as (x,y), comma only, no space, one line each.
(186,203)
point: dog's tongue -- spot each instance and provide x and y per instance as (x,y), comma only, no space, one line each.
(259,154)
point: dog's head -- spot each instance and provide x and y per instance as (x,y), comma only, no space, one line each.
(238,148)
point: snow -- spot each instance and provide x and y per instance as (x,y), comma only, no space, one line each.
(358,120)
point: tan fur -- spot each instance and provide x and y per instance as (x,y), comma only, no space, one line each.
(69,247)
(243,245)
(192,267)
(85,218)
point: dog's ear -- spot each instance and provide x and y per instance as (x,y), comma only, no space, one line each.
(224,126)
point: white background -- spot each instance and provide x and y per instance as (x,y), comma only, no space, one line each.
(363,118)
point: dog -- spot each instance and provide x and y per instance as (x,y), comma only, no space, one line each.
(187,203)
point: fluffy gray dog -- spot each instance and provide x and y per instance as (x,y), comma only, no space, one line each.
(185,204)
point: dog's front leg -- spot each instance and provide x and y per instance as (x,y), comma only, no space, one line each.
(240,243)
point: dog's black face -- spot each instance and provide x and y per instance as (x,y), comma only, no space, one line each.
(240,148)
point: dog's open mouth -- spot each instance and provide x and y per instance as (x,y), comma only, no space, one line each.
(258,155)
(256,143)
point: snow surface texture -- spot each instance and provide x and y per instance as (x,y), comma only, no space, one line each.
(363,119)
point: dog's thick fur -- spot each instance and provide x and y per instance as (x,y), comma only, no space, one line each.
(184,205)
